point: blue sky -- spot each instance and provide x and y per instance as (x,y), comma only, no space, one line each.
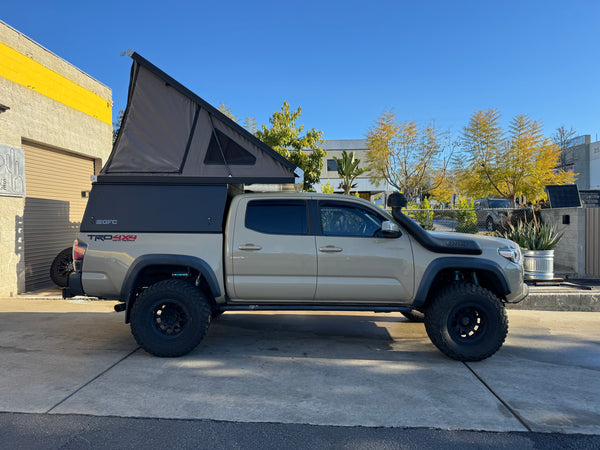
(344,62)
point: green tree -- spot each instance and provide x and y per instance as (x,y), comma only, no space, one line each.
(284,135)
(520,162)
(348,170)
(410,158)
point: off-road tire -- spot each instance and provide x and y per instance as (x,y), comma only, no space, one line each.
(170,318)
(489,224)
(466,322)
(414,316)
(61,267)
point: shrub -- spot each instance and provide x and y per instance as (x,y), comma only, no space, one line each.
(466,219)
(422,213)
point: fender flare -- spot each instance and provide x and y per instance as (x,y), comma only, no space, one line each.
(459,263)
(144,261)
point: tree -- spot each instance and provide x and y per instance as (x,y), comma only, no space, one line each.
(348,170)
(285,137)
(564,139)
(521,162)
(327,188)
(227,111)
(117,125)
(410,158)
(251,124)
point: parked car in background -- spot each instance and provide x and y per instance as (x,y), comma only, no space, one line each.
(493,213)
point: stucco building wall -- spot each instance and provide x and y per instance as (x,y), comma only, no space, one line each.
(50,102)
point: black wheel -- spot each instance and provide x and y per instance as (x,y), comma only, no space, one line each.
(61,267)
(489,224)
(170,318)
(414,316)
(466,322)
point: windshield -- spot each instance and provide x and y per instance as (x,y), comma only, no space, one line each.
(499,203)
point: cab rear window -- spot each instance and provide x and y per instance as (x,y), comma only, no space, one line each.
(277,216)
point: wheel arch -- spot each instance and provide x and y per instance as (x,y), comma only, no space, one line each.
(440,271)
(156,262)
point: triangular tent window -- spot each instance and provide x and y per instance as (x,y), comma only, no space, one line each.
(221,146)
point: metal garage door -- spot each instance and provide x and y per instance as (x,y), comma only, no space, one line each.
(54,207)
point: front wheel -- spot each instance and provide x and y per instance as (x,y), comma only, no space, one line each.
(466,322)
(170,318)
(489,224)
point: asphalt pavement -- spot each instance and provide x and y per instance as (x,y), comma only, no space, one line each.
(342,371)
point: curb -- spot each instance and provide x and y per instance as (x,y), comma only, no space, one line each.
(560,301)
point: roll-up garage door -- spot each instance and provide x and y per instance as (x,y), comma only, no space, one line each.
(54,206)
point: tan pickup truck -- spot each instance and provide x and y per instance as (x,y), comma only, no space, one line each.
(179,255)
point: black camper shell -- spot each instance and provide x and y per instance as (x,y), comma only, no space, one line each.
(174,161)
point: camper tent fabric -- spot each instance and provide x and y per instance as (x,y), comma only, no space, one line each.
(169,131)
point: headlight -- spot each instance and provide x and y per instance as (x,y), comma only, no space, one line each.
(512,254)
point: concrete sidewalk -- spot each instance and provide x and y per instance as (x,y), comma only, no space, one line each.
(348,369)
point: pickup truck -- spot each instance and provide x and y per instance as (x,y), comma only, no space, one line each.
(177,258)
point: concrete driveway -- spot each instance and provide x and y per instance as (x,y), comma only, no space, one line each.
(346,369)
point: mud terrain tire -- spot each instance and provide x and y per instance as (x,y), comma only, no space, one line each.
(61,267)
(170,318)
(466,322)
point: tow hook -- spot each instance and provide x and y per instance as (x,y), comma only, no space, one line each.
(119,307)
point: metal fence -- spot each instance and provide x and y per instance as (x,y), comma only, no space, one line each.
(468,220)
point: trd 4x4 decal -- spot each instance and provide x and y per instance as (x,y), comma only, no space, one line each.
(113,237)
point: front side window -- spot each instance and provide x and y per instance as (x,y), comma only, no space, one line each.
(348,220)
(277,217)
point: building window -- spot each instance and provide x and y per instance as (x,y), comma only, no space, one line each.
(332,165)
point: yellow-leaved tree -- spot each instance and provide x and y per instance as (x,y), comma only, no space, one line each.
(410,158)
(519,162)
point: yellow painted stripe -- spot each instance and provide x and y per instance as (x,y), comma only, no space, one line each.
(23,70)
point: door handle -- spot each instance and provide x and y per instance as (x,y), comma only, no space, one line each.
(330,249)
(250,247)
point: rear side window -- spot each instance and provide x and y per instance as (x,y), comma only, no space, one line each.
(277,216)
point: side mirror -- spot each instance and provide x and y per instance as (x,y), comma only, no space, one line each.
(390,229)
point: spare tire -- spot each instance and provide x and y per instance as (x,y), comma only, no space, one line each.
(61,267)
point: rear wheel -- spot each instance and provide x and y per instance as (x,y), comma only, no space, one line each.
(170,318)
(489,224)
(466,322)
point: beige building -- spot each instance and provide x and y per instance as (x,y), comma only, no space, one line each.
(55,133)
(335,147)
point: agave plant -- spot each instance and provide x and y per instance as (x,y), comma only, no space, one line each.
(533,235)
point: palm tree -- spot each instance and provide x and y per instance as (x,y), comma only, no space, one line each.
(348,170)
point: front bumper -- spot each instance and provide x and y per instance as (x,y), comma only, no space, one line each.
(75,287)
(518,297)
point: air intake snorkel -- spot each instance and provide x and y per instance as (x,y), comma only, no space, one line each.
(397,201)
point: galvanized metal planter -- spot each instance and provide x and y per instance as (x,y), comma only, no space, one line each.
(538,264)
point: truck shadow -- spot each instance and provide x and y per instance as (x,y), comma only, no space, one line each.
(319,335)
